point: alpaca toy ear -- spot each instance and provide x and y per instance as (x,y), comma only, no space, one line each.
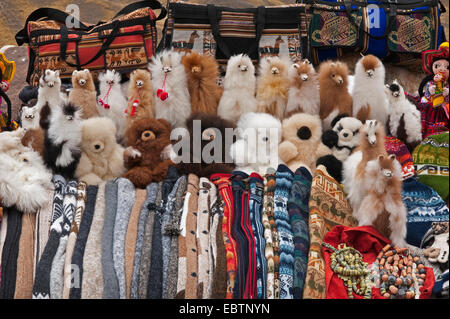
(392,157)
(295,65)
(380,158)
(57,73)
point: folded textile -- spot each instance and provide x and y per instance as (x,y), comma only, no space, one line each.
(270,236)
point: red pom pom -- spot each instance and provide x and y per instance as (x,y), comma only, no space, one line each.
(164,96)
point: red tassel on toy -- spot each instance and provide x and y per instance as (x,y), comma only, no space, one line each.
(133,108)
(161,93)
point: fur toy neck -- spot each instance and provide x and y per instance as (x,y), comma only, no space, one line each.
(104,102)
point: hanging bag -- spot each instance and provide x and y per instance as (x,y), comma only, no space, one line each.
(124,43)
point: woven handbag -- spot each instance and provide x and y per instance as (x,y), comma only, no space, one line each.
(124,43)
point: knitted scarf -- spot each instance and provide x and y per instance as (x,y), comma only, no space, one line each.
(299,217)
(80,244)
(151,192)
(219,280)
(126,196)
(268,250)
(110,281)
(57,271)
(154,199)
(92,284)
(41,287)
(214,215)
(281,196)
(79,210)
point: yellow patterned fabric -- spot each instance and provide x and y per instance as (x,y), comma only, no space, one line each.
(328,207)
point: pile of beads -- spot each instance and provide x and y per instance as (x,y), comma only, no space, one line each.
(348,264)
(400,272)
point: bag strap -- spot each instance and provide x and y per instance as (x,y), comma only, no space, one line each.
(46,14)
(391,19)
(259,19)
(153,4)
(105,45)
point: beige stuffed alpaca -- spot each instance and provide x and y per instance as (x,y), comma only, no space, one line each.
(301,144)
(101,158)
(83,93)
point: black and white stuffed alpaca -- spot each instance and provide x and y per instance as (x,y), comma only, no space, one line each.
(342,139)
(404,121)
(62,140)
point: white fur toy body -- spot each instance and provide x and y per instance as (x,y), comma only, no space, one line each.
(369,100)
(257,146)
(168,73)
(111,95)
(239,89)
(50,90)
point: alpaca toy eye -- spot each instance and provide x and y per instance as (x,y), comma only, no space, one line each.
(25,160)
(265,139)
(148,136)
(333,75)
(304,133)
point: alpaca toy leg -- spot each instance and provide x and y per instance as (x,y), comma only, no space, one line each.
(397,220)
(368,211)
(139,176)
(159,173)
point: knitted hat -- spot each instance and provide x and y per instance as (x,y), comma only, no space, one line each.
(394,146)
(431,162)
(429,55)
(424,206)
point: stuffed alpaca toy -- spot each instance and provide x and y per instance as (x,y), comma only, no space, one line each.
(333,89)
(342,139)
(101,158)
(24,179)
(141,102)
(303,94)
(212,129)
(239,89)
(404,120)
(83,93)
(272,87)
(173,102)
(382,206)
(50,90)
(112,102)
(202,72)
(147,139)
(369,100)
(371,146)
(256,147)
(62,140)
(301,143)
(29,115)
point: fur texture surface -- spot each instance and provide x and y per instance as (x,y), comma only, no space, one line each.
(303,96)
(24,180)
(62,140)
(111,93)
(140,89)
(168,73)
(302,143)
(369,100)
(83,93)
(239,89)
(273,86)
(212,130)
(382,205)
(50,90)
(202,72)
(101,158)
(148,139)
(371,145)
(404,121)
(333,88)
(256,147)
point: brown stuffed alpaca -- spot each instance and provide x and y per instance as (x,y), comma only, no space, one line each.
(333,90)
(302,143)
(202,72)
(141,103)
(84,93)
(147,138)
(210,126)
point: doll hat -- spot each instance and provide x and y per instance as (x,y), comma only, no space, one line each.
(429,55)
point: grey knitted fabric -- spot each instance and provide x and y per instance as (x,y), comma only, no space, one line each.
(57,272)
(80,244)
(167,232)
(110,281)
(172,276)
(146,255)
(126,195)
(152,191)
(92,285)
(215,211)
(41,286)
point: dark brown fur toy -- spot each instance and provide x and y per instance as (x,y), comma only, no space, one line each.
(211,125)
(202,72)
(147,139)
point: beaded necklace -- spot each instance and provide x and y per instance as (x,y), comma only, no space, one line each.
(401,273)
(348,264)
